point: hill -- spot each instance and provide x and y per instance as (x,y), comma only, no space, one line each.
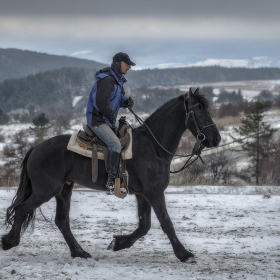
(16,63)
(54,91)
(207,74)
(51,92)
(65,90)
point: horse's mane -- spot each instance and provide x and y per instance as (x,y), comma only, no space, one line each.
(199,98)
(160,110)
(203,101)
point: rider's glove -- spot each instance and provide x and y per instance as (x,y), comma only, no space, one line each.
(112,121)
(129,103)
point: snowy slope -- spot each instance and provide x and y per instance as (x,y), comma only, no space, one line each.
(255,62)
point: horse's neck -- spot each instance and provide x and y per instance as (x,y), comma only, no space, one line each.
(168,125)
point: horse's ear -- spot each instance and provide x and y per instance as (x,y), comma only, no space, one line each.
(190,95)
(196,91)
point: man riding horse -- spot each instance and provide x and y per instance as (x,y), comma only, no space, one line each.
(104,102)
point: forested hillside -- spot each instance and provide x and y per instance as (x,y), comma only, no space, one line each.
(188,75)
(53,92)
(16,63)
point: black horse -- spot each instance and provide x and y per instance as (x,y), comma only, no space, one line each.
(50,170)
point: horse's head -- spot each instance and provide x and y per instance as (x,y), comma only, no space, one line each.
(199,120)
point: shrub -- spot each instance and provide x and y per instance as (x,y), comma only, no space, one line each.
(41,120)
(4,118)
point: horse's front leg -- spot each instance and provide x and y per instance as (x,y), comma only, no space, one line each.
(63,201)
(144,214)
(159,206)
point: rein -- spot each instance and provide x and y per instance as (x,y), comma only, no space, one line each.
(198,147)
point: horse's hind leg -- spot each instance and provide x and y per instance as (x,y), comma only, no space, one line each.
(159,206)
(24,214)
(12,239)
(63,201)
(144,214)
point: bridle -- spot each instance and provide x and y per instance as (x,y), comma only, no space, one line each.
(198,147)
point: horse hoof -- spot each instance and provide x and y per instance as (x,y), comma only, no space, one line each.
(6,244)
(83,255)
(119,243)
(191,260)
(186,257)
(112,245)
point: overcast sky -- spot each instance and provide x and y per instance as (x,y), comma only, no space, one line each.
(155,33)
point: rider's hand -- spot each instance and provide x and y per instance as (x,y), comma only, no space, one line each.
(112,121)
(129,103)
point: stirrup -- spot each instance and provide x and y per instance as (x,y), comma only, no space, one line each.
(110,190)
(123,190)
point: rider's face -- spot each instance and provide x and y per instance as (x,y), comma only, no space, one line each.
(124,67)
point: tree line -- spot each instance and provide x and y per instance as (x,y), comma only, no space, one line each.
(208,74)
(52,92)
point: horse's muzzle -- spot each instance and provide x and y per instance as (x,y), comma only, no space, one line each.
(215,141)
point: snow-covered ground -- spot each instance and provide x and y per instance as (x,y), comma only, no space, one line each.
(232,236)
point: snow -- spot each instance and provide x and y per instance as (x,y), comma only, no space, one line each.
(255,62)
(7,130)
(222,62)
(232,236)
(76,99)
(2,146)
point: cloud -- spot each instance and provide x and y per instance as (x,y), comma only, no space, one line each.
(80,53)
(242,9)
(89,27)
(156,33)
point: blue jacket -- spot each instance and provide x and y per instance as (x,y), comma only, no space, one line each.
(105,98)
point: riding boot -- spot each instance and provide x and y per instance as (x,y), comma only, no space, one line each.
(113,168)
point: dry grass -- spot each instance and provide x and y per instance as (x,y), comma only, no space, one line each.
(226,121)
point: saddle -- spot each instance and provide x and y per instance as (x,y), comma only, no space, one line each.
(87,139)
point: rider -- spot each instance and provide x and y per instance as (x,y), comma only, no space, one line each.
(104,102)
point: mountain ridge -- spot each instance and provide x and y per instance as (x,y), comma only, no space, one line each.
(53,91)
(15,63)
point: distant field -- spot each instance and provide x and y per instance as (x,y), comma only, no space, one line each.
(249,89)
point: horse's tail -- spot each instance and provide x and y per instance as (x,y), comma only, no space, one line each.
(23,193)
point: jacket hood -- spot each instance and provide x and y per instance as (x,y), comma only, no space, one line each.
(108,71)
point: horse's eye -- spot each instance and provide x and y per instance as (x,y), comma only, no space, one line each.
(201,114)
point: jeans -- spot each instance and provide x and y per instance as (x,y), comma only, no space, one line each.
(107,135)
